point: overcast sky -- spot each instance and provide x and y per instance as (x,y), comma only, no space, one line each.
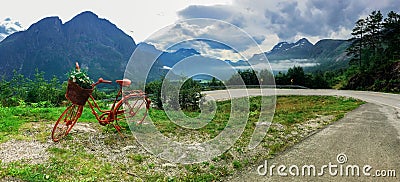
(268,21)
(138,18)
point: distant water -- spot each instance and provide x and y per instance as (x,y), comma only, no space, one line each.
(282,65)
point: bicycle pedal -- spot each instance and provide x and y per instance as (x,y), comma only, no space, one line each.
(69,122)
(103,123)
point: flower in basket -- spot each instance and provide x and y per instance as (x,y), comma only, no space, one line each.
(80,77)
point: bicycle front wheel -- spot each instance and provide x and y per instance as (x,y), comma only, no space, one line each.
(131,109)
(66,121)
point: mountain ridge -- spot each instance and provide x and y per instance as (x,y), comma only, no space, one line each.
(103,49)
(326,53)
(53,47)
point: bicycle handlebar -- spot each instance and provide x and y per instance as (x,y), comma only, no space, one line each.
(101,80)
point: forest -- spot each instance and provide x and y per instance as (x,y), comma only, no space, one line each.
(375,53)
(374,59)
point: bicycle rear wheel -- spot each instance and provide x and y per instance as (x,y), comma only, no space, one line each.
(66,121)
(131,109)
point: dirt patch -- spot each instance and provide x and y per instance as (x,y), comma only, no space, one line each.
(33,152)
(82,128)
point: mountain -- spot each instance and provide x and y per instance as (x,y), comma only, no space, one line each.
(302,49)
(326,54)
(7,27)
(53,47)
(171,58)
(184,62)
(330,54)
(238,63)
(104,50)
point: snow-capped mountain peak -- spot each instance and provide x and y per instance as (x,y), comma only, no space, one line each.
(285,46)
(8,26)
(279,45)
(302,41)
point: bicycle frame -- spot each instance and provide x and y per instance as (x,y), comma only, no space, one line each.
(109,113)
(102,119)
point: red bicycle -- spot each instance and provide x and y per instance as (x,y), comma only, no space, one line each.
(127,106)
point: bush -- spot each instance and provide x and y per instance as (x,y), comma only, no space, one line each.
(35,92)
(189,94)
(154,89)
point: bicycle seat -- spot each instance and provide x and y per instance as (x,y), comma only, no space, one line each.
(124,82)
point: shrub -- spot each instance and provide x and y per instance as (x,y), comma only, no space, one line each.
(189,94)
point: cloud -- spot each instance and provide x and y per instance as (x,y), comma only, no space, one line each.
(266,22)
(213,38)
(290,19)
(213,12)
(202,43)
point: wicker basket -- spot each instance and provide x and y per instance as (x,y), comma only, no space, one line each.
(77,94)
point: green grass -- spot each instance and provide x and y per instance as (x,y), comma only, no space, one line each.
(12,118)
(71,161)
(295,109)
(66,165)
(289,110)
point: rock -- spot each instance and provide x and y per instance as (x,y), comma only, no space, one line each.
(168,165)
(263,123)
(279,126)
(197,146)
(129,147)
(116,151)
(83,128)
